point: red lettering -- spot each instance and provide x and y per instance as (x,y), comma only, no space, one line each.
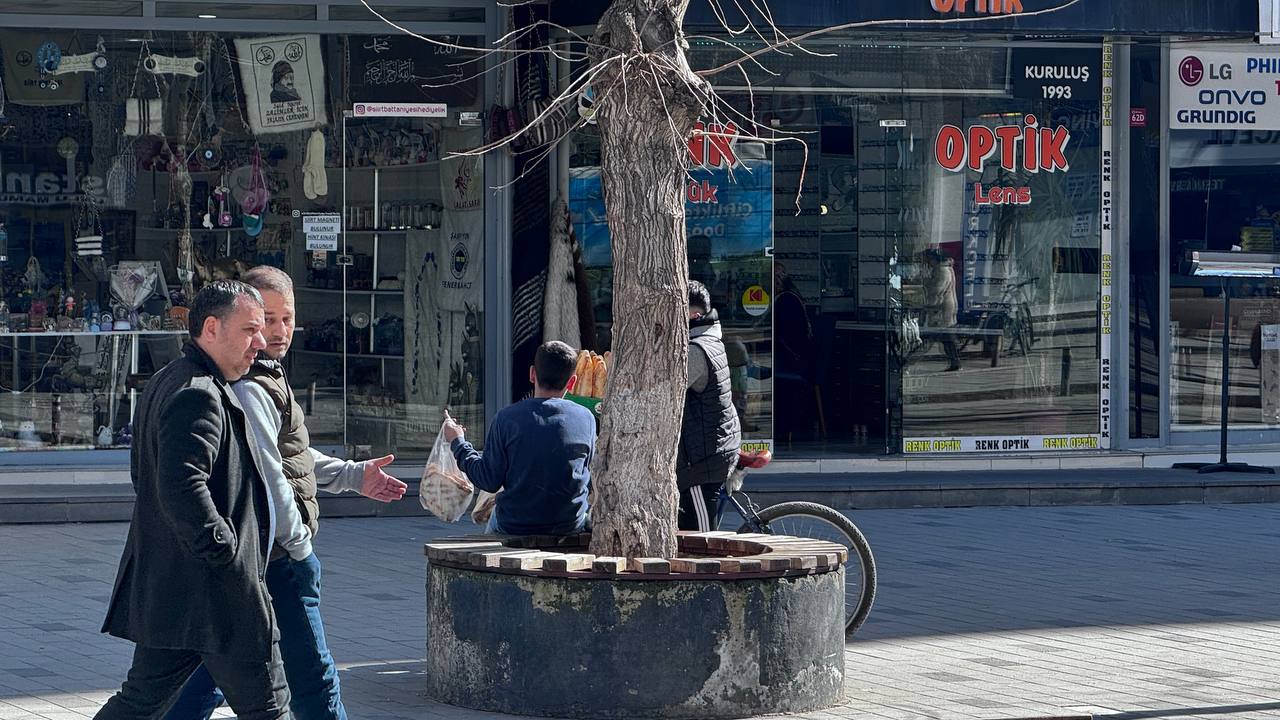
(720,153)
(697,143)
(942,6)
(701,192)
(1009,136)
(1013,6)
(949,147)
(1001,195)
(1053,146)
(1030,146)
(982,142)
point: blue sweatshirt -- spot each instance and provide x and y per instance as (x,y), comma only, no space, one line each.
(537,452)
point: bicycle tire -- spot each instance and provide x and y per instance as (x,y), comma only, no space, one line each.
(859,552)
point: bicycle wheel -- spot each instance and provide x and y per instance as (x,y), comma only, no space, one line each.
(819,522)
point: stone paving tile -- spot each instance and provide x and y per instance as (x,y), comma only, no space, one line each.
(983,614)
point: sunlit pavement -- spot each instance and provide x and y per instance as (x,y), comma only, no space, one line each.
(1122,612)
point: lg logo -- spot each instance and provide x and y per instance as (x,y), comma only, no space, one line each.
(1191,71)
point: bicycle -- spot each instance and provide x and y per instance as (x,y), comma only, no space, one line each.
(1007,324)
(809,520)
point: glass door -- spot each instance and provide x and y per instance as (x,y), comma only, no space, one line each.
(408,274)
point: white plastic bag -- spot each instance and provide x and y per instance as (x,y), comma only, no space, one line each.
(445,490)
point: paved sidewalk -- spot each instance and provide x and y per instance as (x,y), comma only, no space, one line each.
(984,613)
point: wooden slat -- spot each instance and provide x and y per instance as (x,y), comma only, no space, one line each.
(528,561)
(573,562)
(649,566)
(696,566)
(734,565)
(609,565)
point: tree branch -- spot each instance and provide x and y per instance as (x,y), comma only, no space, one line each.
(873,23)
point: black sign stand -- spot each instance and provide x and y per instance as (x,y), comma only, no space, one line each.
(1222,465)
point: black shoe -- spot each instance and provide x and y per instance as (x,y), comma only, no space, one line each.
(952,368)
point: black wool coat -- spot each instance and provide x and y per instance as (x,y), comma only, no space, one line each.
(191,577)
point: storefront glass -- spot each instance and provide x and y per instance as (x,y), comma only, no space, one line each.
(139,165)
(1223,150)
(936,278)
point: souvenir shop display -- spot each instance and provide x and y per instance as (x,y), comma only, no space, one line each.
(142,164)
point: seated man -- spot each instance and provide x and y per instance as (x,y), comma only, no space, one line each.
(537,452)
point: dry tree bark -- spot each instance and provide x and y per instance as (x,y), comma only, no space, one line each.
(645,119)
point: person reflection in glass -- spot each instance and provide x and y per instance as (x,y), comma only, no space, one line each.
(940,302)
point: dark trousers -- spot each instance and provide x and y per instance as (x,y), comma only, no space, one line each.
(698,506)
(308,665)
(952,352)
(255,690)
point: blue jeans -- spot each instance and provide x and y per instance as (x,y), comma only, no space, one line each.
(308,666)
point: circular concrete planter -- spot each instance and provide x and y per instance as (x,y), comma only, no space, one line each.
(745,625)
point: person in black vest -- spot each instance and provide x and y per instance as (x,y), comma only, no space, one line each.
(709,435)
(191,586)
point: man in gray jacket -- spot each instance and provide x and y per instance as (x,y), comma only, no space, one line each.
(293,471)
(191,586)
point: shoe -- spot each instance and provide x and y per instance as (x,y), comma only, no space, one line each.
(952,368)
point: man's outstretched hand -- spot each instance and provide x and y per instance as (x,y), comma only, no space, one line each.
(379,485)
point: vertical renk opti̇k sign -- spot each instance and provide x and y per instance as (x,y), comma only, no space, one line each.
(1224,86)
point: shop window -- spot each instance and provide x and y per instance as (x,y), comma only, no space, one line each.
(1223,148)
(107,8)
(1222,199)
(131,176)
(236,11)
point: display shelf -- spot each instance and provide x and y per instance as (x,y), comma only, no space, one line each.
(331,291)
(350,356)
(77,333)
(404,166)
(389,231)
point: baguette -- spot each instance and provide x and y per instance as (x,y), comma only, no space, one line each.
(586,379)
(584,364)
(599,376)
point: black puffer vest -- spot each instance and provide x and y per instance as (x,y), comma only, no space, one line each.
(294,442)
(709,435)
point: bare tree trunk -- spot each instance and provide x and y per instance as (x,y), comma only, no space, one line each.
(648,103)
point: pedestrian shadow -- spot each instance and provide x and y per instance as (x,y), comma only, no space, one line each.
(1183,712)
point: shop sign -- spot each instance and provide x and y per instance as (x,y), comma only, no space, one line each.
(322,241)
(321,223)
(1055,73)
(1001,444)
(1224,87)
(392,68)
(755,300)
(1106,242)
(322,230)
(413,110)
(1023,146)
(976,7)
(25,185)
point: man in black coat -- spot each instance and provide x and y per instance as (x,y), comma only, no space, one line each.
(190,587)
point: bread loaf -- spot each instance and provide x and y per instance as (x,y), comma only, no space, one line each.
(599,376)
